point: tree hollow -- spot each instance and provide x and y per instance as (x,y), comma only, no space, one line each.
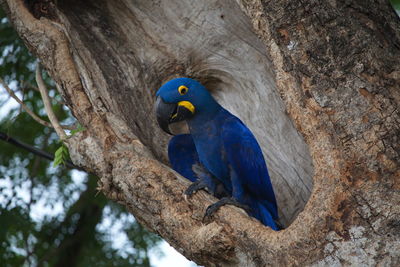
(127,49)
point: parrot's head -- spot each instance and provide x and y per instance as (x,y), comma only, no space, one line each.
(181,99)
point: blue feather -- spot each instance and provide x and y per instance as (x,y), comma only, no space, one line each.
(184,159)
(183,156)
(225,147)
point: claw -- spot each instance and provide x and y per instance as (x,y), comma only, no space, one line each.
(194,187)
(185,197)
(210,211)
(224,201)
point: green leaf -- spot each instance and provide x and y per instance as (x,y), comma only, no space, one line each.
(80,128)
(57,161)
(396,4)
(59,151)
(61,155)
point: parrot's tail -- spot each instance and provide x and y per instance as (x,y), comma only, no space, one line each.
(265,217)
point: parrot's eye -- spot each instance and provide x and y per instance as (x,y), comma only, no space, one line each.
(183,90)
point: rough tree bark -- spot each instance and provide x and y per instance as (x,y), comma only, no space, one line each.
(317,81)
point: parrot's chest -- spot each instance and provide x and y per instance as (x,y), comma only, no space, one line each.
(209,146)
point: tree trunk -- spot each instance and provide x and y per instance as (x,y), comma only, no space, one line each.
(316,81)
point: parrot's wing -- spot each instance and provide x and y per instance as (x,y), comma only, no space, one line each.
(249,172)
(184,159)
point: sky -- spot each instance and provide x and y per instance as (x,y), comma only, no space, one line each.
(172,258)
(38,211)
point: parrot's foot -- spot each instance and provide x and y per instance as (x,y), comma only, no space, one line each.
(224,201)
(279,225)
(194,187)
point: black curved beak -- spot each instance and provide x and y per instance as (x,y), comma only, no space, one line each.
(168,113)
(164,112)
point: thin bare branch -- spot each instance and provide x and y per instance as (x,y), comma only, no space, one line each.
(34,150)
(47,105)
(26,85)
(28,110)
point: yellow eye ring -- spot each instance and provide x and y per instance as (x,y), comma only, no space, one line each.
(183,90)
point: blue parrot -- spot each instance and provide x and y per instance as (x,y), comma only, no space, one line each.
(220,153)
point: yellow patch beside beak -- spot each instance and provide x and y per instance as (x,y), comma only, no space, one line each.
(187,105)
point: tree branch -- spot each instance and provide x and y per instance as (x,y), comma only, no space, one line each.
(28,110)
(47,105)
(29,86)
(36,151)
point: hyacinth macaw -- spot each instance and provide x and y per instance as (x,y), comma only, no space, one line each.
(220,153)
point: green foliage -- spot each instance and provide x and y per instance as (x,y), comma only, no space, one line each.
(61,156)
(78,129)
(396,4)
(48,216)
